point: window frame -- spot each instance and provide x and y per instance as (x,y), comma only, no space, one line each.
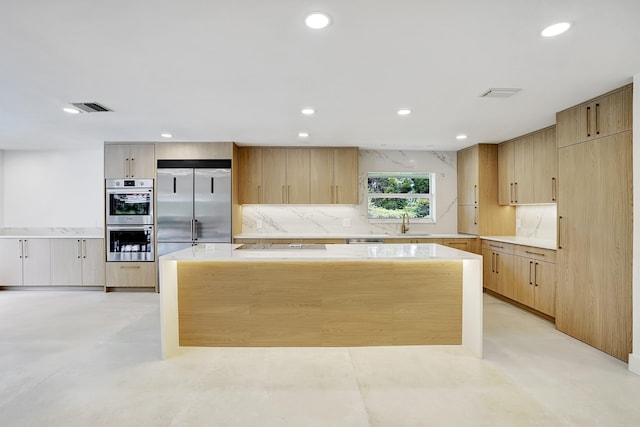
(431,196)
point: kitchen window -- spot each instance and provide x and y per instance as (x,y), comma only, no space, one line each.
(394,194)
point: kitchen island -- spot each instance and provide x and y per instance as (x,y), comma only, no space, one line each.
(320,295)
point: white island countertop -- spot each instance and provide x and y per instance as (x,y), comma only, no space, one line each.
(302,236)
(231,252)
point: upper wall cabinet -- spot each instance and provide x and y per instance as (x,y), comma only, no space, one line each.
(298,175)
(607,115)
(129,161)
(194,150)
(527,169)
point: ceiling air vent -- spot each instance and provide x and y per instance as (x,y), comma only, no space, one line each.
(500,93)
(90,107)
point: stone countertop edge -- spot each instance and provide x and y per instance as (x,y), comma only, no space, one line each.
(51,233)
(524,241)
(335,252)
(352,236)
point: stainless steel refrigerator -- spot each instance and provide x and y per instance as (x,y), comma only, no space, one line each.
(193,203)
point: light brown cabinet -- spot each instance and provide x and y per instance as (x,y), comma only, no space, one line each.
(603,116)
(468,245)
(129,161)
(478,209)
(130,275)
(77,262)
(250,175)
(499,265)
(193,150)
(595,243)
(527,169)
(535,280)
(298,175)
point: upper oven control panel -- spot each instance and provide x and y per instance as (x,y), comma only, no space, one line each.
(129,183)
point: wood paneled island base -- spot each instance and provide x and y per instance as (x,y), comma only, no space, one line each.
(319,303)
(216,295)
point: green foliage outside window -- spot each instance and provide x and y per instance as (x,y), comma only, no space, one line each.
(394,194)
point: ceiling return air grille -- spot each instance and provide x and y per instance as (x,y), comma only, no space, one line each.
(500,93)
(90,107)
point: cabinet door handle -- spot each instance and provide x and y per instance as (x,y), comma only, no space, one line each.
(475,194)
(553,189)
(79,247)
(515,191)
(288,193)
(496,246)
(20,249)
(332,196)
(511,192)
(337,194)
(25,248)
(535,274)
(588,121)
(283,194)
(259,193)
(493,262)
(475,215)
(597,118)
(559,231)
(133,167)
(497,261)
(84,248)
(530,264)
(126,167)
(136,267)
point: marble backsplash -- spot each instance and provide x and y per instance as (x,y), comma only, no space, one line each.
(537,221)
(352,219)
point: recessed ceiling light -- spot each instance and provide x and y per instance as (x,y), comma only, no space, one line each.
(71,110)
(303,134)
(166,135)
(404,112)
(317,20)
(308,111)
(555,29)
(461,136)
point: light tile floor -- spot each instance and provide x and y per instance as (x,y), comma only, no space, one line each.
(92,359)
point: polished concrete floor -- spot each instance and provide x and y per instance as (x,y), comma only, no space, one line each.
(92,359)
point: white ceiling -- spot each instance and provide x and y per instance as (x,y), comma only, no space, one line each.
(241,70)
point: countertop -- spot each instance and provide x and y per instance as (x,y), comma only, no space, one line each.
(524,241)
(51,233)
(351,236)
(228,252)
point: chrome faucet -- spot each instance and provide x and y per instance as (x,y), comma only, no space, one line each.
(405,226)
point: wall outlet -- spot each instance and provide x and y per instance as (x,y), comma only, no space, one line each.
(518,223)
(259,224)
(346,222)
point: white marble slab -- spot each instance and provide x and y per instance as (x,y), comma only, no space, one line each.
(230,252)
(349,236)
(524,241)
(51,232)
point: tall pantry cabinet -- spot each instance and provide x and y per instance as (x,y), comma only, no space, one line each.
(594,253)
(478,209)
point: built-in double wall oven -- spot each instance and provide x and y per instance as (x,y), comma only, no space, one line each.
(129,218)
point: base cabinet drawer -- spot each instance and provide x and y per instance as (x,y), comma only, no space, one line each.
(131,275)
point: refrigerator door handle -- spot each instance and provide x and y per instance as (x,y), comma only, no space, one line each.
(212,185)
(195,229)
(174,185)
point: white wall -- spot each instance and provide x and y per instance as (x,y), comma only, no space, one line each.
(634,358)
(1,188)
(53,188)
(317,219)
